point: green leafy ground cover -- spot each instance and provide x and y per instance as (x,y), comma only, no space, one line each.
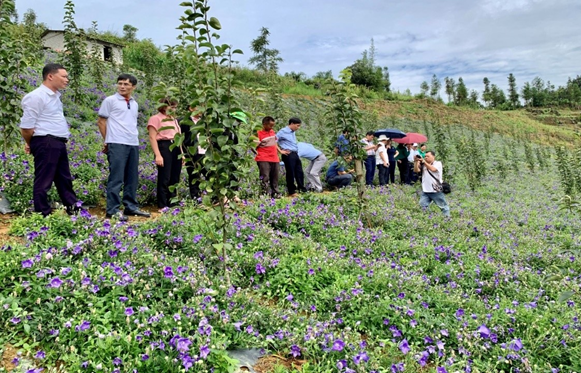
(414,292)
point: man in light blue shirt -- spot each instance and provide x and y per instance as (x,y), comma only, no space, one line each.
(287,142)
(317,161)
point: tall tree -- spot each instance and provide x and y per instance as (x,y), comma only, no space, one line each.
(486,94)
(435,87)
(364,72)
(424,87)
(512,92)
(129,33)
(76,48)
(265,59)
(450,88)
(497,97)
(461,97)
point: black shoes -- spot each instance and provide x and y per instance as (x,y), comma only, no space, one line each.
(141,213)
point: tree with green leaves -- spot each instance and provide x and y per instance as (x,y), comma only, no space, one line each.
(435,87)
(96,64)
(265,59)
(461,97)
(208,89)
(365,73)
(130,33)
(76,50)
(450,86)
(512,92)
(13,58)
(424,88)
(486,97)
(497,97)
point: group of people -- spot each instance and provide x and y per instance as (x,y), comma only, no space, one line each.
(45,131)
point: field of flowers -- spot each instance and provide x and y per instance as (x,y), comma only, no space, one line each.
(408,291)
(494,288)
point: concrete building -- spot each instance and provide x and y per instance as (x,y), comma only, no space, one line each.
(55,40)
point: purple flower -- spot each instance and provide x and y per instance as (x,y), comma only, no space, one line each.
(484,331)
(441,370)
(83,326)
(117,361)
(183,345)
(40,355)
(144,357)
(55,282)
(27,263)
(129,311)
(260,269)
(204,351)
(295,350)
(459,312)
(338,345)
(15,320)
(404,346)
(362,356)
(123,299)
(516,345)
(168,272)
(341,364)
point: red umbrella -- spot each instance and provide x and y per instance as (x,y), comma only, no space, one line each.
(412,137)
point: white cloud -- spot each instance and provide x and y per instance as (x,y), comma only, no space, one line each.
(415,39)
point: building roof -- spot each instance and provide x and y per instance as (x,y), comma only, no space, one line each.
(88,37)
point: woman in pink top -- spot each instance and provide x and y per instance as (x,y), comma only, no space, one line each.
(162,129)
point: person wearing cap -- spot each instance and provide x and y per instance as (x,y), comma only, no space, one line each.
(402,162)
(287,142)
(382,159)
(412,153)
(370,161)
(46,132)
(392,153)
(317,160)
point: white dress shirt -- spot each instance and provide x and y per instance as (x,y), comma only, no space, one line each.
(43,112)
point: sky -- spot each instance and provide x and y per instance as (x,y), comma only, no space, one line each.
(415,39)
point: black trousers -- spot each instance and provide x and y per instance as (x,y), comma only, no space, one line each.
(294,172)
(51,164)
(195,170)
(403,170)
(169,174)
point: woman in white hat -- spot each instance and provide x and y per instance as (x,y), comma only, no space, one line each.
(382,159)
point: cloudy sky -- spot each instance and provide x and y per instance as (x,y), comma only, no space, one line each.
(415,39)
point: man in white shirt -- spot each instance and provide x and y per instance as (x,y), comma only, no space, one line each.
(46,132)
(431,171)
(118,125)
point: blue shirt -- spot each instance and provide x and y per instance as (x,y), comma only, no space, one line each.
(333,170)
(287,139)
(341,144)
(308,151)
